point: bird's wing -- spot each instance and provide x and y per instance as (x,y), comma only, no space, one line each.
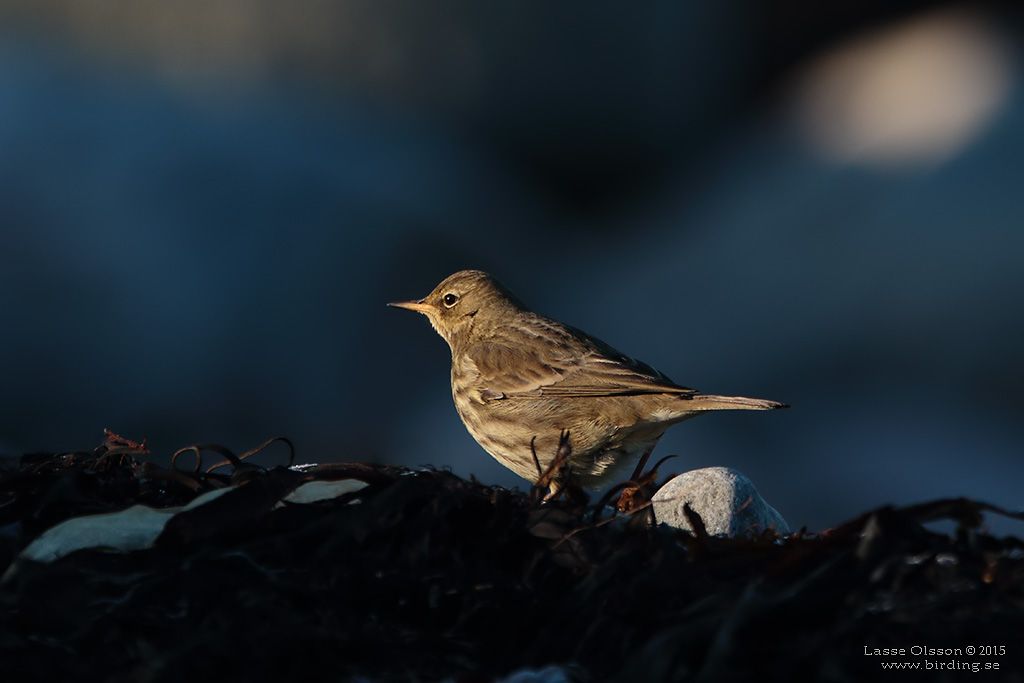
(555,365)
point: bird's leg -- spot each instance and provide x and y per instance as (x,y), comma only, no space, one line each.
(554,491)
(639,471)
(558,472)
(628,499)
(638,491)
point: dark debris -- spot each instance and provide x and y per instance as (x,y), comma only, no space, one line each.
(425,576)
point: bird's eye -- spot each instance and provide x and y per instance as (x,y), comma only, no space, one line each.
(450,300)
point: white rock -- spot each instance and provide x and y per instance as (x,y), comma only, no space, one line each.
(134,528)
(123,531)
(313,491)
(553,673)
(137,527)
(725,499)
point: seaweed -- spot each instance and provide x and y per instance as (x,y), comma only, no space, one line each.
(422,575)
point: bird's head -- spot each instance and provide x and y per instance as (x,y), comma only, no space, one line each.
(463,303)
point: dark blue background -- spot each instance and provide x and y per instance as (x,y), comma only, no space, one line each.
(203,214)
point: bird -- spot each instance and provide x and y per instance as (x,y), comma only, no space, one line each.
(525,384)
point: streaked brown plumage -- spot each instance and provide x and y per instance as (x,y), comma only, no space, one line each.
(519,377)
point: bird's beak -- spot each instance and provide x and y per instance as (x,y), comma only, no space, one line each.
(417,306)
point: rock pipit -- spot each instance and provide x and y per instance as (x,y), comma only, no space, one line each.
(519,380)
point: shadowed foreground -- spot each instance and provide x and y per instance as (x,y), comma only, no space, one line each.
(424,576)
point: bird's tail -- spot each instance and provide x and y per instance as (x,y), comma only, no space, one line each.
(711,402)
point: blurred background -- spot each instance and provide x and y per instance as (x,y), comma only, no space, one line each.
(205,206)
